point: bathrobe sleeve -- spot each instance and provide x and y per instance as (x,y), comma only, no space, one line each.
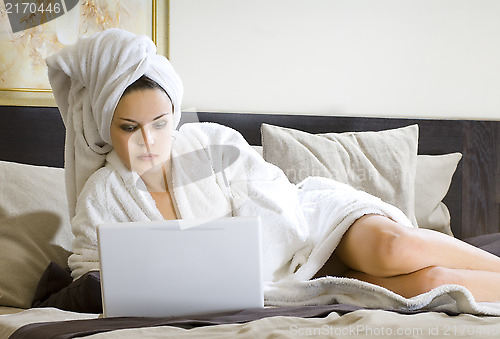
(108,196)
(93,207)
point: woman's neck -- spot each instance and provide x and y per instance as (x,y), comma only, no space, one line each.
(156,178)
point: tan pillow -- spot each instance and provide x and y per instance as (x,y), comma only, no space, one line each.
(432,182)
(380,163)
(34,228)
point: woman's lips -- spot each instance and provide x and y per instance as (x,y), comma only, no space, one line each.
(147,156)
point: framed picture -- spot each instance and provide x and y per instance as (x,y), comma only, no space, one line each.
(23,72)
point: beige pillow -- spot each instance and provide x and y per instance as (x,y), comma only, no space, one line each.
(34,228)
(432,182)
(380,163)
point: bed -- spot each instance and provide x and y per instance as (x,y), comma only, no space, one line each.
(456,190)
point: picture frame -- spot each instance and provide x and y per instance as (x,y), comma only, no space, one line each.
(41,95)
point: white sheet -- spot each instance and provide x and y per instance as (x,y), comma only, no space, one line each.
(9,323)
(9,310)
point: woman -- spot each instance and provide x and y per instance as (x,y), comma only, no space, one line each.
(126,162)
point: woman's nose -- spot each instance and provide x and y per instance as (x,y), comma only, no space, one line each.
(147,137)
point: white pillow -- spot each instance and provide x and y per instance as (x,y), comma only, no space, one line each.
(432,182)
(34,228)
(380,163)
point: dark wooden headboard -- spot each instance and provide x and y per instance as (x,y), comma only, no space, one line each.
(35,135)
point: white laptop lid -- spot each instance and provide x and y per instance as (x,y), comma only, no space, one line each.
(180,267)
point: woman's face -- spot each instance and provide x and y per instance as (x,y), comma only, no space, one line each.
(141,129)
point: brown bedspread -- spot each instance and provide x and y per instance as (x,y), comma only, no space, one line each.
(81,328)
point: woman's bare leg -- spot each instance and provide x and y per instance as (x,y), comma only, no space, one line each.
(411,261)
(483,285)
(378,246)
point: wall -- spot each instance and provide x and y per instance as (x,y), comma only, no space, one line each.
(409,58)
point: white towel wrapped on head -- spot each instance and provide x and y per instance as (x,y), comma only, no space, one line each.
(88,79)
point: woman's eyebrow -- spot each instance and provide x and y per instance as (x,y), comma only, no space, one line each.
(156,118)
(130,120)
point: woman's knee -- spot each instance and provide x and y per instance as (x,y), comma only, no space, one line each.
(378,246)
(394,241)
(390,252)
(432,277)
(394,244)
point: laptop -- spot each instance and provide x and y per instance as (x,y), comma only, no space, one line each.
(180,267)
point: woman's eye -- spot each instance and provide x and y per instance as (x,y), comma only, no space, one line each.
(159,124)
(128,128)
